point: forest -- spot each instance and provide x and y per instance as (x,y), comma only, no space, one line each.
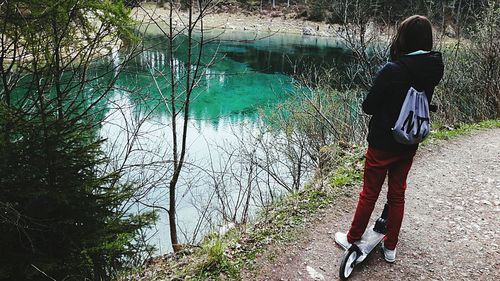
(68,205)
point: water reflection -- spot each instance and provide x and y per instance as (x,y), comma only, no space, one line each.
(228,90)
(292,60)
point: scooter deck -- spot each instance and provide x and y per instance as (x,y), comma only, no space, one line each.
(368,242)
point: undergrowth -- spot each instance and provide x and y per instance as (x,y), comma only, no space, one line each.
(223,257)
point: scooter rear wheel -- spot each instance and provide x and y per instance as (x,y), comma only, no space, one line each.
(348,263)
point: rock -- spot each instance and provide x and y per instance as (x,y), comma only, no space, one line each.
(486,202)
(276,14)
(225,228)
(309,31)
(314,274)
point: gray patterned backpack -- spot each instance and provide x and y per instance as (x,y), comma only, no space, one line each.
(413,123)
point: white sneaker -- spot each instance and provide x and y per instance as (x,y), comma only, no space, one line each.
(389,255)
(341,239)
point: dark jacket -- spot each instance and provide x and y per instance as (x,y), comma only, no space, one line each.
(388,93)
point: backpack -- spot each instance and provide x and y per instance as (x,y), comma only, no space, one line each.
(413,123)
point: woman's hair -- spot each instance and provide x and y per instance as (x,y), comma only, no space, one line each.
(414,33)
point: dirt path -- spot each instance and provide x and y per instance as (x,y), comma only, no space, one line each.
(451,229)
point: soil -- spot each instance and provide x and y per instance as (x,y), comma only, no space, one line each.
(451,229)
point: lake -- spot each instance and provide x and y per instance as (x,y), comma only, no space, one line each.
(246,76)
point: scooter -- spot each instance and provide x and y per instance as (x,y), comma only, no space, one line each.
(359,250)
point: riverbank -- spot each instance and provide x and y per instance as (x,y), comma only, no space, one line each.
(287,234)
(224,256)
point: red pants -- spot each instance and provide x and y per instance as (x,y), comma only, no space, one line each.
(378,164)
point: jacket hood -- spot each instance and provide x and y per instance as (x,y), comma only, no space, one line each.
(427,68)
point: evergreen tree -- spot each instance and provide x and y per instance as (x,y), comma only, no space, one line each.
(61,215)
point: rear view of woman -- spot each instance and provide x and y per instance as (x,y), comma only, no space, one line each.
(413,64)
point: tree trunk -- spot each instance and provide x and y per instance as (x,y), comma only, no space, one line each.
(56,67)
(173,181)
(179,157)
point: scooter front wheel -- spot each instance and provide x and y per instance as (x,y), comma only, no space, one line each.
(348,263)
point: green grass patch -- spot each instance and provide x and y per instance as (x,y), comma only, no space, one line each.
(348,169)
(345,176)
(448,132)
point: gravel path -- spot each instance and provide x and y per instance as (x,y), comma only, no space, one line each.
(451,229)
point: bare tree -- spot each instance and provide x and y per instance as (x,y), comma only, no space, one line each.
(366,36)
(183,77)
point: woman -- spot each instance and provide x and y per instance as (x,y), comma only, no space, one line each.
(412,64)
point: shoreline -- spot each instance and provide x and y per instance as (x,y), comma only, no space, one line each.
(150,12)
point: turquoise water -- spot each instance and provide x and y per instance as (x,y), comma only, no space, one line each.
(245,76)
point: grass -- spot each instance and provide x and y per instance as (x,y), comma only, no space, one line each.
(446,132)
